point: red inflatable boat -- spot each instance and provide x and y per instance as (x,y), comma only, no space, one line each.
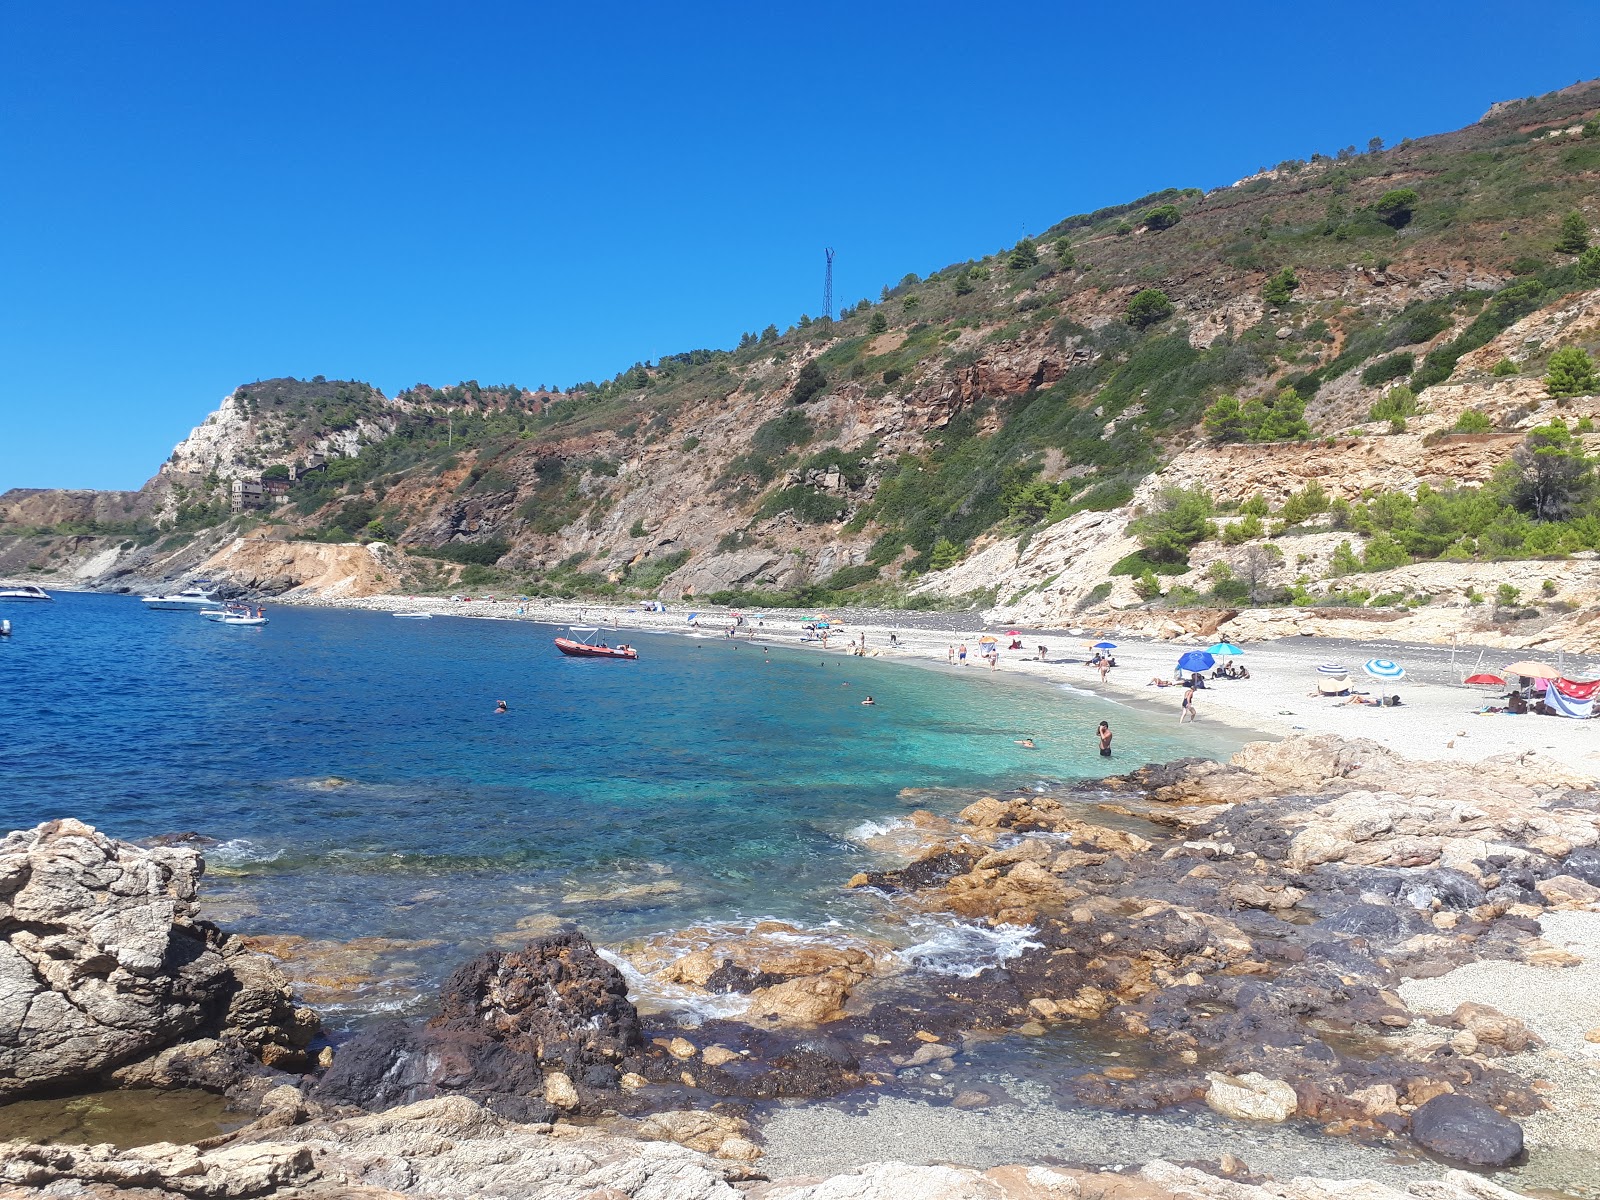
(584,647)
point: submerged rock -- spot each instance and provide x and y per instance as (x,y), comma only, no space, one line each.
(105,962)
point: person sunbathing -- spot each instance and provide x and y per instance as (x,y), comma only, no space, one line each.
(1157,681)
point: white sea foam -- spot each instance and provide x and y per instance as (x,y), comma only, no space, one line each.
(875,829)
(690,1007)
(968,950)
(240,852)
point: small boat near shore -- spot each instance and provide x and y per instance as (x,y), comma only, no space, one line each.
(584,646)
(413,616)
(24,591)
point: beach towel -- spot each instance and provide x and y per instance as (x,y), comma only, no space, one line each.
(1566,707)
(1573,690)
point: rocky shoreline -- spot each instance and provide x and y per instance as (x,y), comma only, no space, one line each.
(1251,954)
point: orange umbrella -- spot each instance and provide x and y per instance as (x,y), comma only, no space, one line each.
(988,637)
(1533,670)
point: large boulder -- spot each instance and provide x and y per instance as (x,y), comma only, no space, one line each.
(532,1033)
(105,961)
(1465,1130)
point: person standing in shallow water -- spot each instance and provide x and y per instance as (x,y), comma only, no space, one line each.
(1104,733)
(961,654)
(1188,713)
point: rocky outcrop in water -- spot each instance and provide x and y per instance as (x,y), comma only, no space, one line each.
(105,965)
(533,1033)
(1257,947)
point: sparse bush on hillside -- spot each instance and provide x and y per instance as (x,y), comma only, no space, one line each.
(945,554)
(1571,373)
(1065,255)
(1224,421)
(1505,367)
(878,323)
(1383,552)
(1177,519)
(1385,370)
(1344,561)
(1573,237)
(808,384)
(1148,307)
(1163,216)
(1396,405)
(1278,419)
(1280,288)
(1589,264)
(1394,208)
(1023,255)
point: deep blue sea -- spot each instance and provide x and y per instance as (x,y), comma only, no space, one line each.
(355,781)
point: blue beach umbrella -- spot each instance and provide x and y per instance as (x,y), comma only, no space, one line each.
(1104,646)
(1385,672)
(1224,648)
(1196,661)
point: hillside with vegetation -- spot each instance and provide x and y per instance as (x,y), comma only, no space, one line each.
(1276,393)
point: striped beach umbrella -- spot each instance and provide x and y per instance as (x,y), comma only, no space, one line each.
(1333,668)
(1385,672)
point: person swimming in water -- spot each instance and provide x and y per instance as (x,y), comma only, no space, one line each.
(500,707)
(1104,734)
(869,700)
(1026,743)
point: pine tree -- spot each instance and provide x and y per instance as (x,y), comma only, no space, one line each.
(1571,373)
(1574,236)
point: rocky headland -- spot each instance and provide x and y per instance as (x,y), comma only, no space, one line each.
(1318,935)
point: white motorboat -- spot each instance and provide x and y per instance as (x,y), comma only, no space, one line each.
(413,616)
(24,591)
(188,600)
(243,618)
(222,614)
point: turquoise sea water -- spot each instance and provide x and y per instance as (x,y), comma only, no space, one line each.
(356,783)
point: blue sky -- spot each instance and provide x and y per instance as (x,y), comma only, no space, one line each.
(198,194)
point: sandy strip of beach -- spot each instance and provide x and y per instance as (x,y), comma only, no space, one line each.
(1436,720)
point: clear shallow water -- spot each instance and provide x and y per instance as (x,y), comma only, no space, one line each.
(352,770)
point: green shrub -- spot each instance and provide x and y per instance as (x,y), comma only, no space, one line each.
(1394,207)
(1178,518)
(638,530)
(1147,586)
(1396,366)
(1472,420)
(1396,405)
(1344,561)
(1148,308)
(1589,264)
(690,444)
(1223,421)
(479,576)
(1505,595)
(878,323)
(808,384)
(1573,237)
(1301,506)
(1023,255)
(482,554)
(1065,257)
(893,375)
(1163,216)
(1571,373)
(1280,287)
(849,577)
(1384,552)
(1505,367)
(945,554)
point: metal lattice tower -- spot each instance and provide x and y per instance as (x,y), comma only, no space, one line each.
(827,285)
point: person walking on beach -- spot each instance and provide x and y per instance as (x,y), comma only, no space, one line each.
(1188,713)
(1104,733)
(1043,650)
(1105,669)
(950,654)
(961,654)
